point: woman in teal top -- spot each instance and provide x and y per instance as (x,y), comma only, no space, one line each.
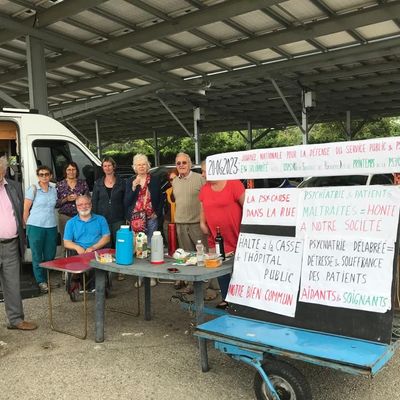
(41,223)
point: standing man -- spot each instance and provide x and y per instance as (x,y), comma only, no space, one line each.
(186,188)
(11,250)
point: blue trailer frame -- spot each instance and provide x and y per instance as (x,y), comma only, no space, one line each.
(255,342)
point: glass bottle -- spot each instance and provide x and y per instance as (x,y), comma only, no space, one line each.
(219,244)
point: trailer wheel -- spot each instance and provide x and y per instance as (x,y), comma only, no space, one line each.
(289,382)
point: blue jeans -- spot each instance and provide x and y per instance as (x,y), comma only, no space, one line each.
(43,244)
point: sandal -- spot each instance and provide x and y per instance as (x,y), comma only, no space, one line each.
(222,306)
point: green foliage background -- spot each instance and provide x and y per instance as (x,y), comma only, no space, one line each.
(234,141)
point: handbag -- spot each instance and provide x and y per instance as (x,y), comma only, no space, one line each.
(139,219)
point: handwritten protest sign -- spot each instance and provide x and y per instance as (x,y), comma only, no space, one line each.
(356,211)
(267,273)
(341,158)
(347,273)
(270,207)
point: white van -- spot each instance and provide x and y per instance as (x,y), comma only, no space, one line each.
(30,140)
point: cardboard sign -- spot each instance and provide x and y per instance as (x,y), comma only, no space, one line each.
(270,207)
(349,211)
(266,273)
(347,273)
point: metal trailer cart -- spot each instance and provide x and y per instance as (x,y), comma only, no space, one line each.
(263,345)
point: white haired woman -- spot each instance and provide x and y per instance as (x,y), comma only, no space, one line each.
(144,199)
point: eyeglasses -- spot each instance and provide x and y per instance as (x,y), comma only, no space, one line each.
(181,162)
(44,174)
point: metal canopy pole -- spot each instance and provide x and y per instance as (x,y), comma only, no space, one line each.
(98,145)
(36,75)
(348,124)
(156,149)
(196,121)
(304,118)
(249,135)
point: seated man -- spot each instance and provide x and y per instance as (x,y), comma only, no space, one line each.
(86,232)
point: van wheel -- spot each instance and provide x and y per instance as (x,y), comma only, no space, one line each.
(289,382)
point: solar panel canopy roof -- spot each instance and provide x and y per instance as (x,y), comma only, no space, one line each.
(139,67)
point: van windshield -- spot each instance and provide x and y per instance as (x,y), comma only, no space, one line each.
(57,153)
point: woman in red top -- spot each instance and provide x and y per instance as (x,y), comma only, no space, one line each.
(221,205)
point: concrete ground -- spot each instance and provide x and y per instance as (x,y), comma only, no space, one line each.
(139,359)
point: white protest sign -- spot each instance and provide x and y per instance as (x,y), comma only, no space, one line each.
(355,274)
(340,158)
(266,273)
(270,207)
(349,211)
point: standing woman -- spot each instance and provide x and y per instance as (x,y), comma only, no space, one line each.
(221,205)
(67,191)
(41,225)
(144,198)
(108,199)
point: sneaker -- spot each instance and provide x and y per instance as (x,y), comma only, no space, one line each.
(153,282)
(43,287)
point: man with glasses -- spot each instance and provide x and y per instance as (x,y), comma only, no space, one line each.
(186,188)
(11,250)
(86,232)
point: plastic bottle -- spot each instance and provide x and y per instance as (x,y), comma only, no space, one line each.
(124,246)
(219,243)
(200,253)
(157,248)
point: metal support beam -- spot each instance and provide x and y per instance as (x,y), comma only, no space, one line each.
(243,136)
(98,144)
(262,135)
(174,116)
(282,96)
(10,100)
(196,124)
(249,135)
(88,141)
(93,106)
(36,75)
(85,51)
(156,149)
